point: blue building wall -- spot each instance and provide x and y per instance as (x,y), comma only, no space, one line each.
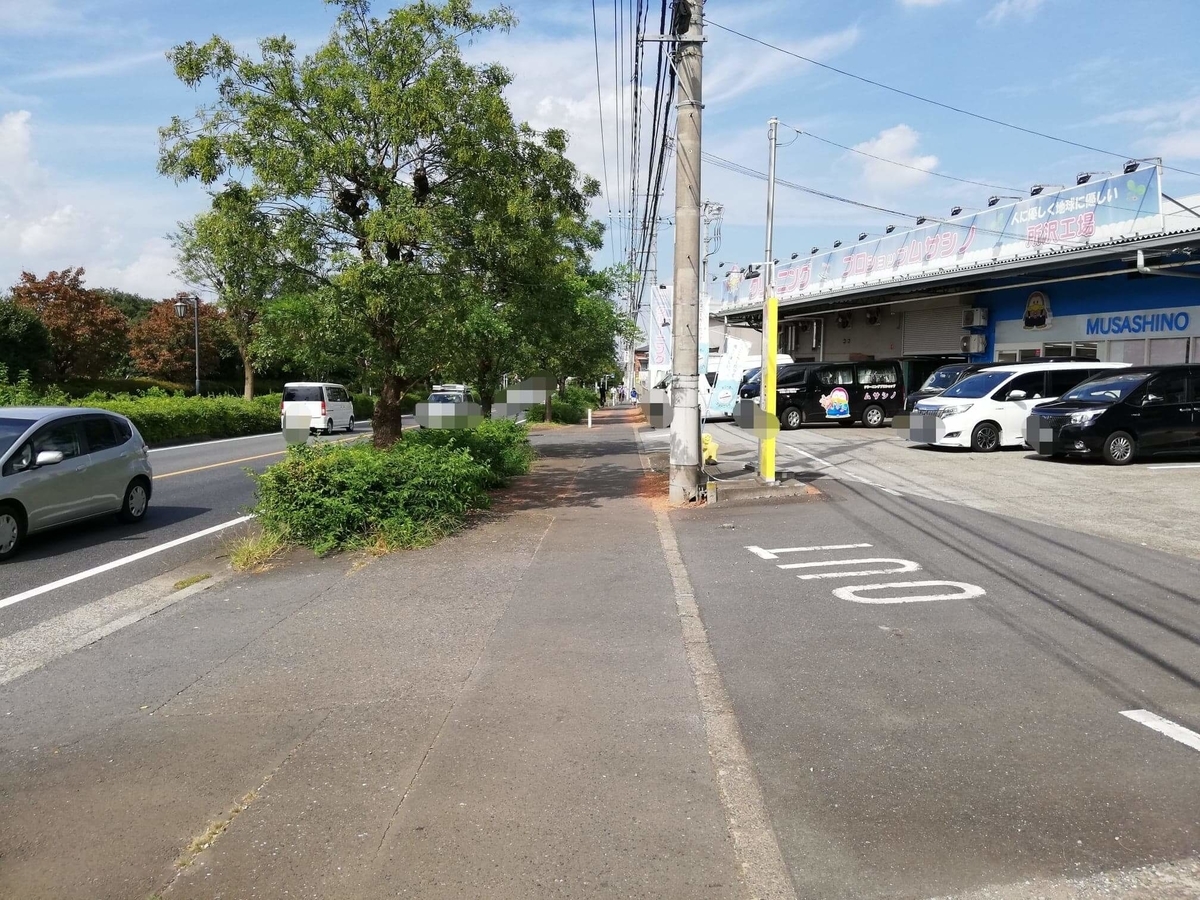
(1094,296)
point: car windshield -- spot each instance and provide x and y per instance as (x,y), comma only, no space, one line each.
(942,378)
(301,394)
(10,430)
(444,398)
(1108,389)
(978,385)
(752,375)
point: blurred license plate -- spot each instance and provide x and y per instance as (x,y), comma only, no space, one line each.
(1039,435)
(923,428)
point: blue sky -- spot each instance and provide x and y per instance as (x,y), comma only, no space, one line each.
(84,85)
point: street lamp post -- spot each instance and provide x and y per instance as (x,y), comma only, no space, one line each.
(181,306)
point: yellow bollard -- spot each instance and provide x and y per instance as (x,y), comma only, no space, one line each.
(709,448)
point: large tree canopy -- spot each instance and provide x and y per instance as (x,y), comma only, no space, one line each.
(430,226)
(87,334)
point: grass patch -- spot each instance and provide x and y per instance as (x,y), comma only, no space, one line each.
(188,582)
(255,552)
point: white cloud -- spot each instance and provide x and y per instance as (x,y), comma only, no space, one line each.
(110,66)
(742,68)
(898,143)
(113,229)
(24,17)
(1007,9)
(1178,145)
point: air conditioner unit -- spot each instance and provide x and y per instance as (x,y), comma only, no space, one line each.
(873,316)
(974,318)
(974,343)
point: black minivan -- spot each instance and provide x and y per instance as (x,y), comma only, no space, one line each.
(870,392)
(1122,414)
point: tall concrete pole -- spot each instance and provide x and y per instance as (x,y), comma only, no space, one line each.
(685,322)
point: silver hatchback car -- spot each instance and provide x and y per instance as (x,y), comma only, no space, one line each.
(62,464)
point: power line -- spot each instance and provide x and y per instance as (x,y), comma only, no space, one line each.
(600,105)
(896,162)
(938,103)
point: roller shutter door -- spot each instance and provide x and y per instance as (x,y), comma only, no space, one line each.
(933,331)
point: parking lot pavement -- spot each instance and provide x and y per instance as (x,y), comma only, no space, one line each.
(1153,504)
(938,699)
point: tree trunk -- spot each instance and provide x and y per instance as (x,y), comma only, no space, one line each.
(386,420)
(487,397)
(248,391)
(549,403)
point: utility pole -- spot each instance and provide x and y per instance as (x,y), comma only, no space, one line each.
(688,34)
(770,319)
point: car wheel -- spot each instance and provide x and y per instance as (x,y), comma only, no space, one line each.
(985,438)
(350,425)
(329,426)
(792,419)
(137,501)
(1119,449)
(12,531)
(873,416)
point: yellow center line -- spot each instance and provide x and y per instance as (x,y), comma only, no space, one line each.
(234,462)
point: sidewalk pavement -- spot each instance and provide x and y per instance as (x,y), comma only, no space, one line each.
(508,714)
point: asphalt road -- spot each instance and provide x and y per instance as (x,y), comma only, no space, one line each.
(924,747)
(196,487)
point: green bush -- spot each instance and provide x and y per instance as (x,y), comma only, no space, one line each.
(580,397)
(22,392)
(500,444)
(164,418)
(561,411)
(364,407)
(342,496)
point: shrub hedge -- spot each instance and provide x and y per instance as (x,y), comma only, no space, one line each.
(165,418)
(341,496)
(561,411)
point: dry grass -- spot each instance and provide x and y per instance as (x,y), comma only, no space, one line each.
(188,582)
(203,841)
(256,552)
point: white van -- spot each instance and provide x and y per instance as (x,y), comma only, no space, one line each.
(327,406)
(987,410)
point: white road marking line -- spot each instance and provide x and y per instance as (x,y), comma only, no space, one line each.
(890,491)
(118,563)
(965,592)
(1172,730)
(905,565)
(771,554)
(245,437)
(1176,466)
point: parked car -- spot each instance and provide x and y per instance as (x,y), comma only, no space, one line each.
(953,373)
(870,392)
(1119,416)
(62,465)
(326,406)
(987,410)
(943,378)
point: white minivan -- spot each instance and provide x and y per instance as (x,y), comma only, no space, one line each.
(327,407)
(987,410)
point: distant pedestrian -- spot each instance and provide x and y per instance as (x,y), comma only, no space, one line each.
(633,396)
(603,394)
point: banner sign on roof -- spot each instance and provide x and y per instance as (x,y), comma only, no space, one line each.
(1120,206)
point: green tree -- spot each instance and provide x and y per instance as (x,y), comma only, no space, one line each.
(24,340)
(134,306)
(371,149)
(233,251)
(531,239)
